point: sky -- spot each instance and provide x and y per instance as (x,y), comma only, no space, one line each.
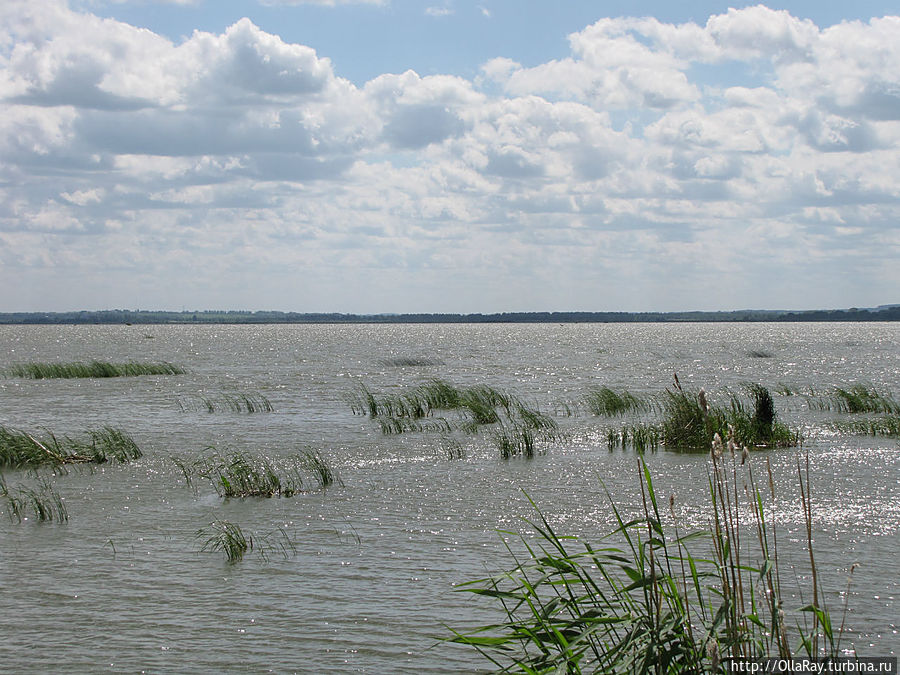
(385,156)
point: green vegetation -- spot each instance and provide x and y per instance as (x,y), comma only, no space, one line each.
(640,437)
(604,401)
(44,502)
(252,402)
(690,422)
(517,426)
(222,535)
(409,361)
(889,425)
(862,399)
(42,371)
(19,449)
(316,464)
(240,475)
(645,600)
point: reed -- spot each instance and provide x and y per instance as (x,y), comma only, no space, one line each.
(639,437)
(760,354)
(858,398)
(862,399)
(889,425)
(603,401)
(519,425)
(315,463)
(690,422)
(645,599)
(225,536)
(242,476)
(409,362)
(515,441)
(44,502)
(37,370)
(19,449)
(251,402)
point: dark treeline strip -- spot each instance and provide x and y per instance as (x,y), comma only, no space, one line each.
(120,316)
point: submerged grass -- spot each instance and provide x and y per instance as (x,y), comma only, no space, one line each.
(43,502)
(606,402)
(517,426)
(645,599)
(240,475)
(252,402)
(37,370)
(228,537)
(888,425)
(20,449)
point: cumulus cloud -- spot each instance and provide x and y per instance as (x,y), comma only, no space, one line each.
(644,155)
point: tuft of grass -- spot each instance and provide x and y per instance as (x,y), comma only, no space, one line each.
(409,361)
(44,502)
(252,402)
(243,476)
(888,425)
(19,449)
(515,441)
(639,436)
(37,370)
(645,599)
(518,425)
(225,536)
(690,422)
(240,475)
(862,399)
(604,401)
(760,354)
(314,462)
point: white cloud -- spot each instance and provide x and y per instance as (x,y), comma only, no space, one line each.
(223,154)
(438,12)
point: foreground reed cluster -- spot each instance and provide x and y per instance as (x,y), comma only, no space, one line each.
(652,597)
(46,370)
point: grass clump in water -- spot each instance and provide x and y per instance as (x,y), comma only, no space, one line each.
(690,422)
(409,361)
(605,402)
(36,370)
(228,537)
(244,476)
(315,463)
(19,449)
(888,425)
(44,502)
(518,425)
(862,399)
(645,599)
(240,475)
(253,402)
(639,436)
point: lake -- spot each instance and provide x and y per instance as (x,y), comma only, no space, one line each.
(368,583)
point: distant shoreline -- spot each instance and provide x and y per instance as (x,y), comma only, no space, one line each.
(116,316)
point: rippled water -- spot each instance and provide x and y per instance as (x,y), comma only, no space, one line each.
(122,586)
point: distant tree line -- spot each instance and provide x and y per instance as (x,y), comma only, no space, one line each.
(124,316)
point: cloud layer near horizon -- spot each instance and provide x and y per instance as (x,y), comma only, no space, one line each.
(748,162)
